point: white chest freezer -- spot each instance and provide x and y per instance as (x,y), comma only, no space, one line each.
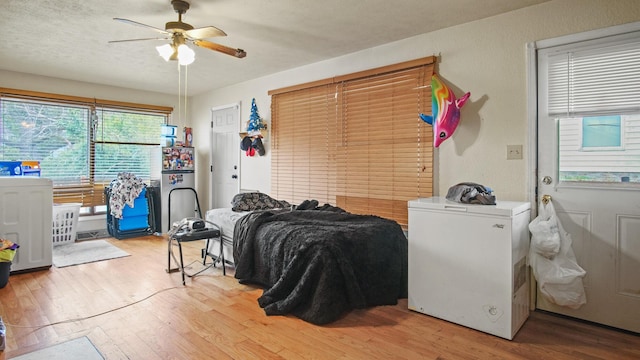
(468,263)
(26,207)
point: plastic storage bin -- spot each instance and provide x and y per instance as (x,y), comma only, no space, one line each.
(10,168)
(31,168)
(65,223)
(5,269)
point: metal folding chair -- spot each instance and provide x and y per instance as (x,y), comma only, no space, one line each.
(180,233)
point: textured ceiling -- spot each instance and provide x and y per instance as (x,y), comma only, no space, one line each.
(69,39)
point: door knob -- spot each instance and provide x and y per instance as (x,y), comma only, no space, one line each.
(547,180)
(234,176)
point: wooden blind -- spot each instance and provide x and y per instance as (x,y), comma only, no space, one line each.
(303,139)
(383,162)
(356,141)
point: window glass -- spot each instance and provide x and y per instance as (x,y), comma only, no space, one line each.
(79,147)
(602,149)
(127,140)
(54,135)
(601,131)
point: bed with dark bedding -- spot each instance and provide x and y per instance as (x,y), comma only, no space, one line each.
(319,262)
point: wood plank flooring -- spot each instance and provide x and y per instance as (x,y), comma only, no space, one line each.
(130,308)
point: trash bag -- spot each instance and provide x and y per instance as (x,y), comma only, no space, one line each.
(545,234)
(559,277)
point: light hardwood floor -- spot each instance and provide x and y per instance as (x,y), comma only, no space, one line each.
(215,317)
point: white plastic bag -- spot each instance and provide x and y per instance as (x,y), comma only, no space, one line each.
(559,277)
(545,235)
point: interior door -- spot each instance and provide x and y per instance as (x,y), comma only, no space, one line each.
(589,163)
(225,154)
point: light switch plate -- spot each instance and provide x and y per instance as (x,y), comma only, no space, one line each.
(514,152)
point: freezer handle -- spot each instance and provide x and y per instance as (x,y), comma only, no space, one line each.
(456,208)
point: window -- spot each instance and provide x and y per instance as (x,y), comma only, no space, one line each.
(356,141)
(593,94)
(601,132)
(127,139)
(81,145)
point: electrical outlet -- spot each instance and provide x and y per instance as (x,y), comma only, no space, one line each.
(514,152)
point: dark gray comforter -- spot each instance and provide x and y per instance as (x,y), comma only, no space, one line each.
(319,263)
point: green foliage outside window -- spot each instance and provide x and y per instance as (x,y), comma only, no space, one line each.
(61,137)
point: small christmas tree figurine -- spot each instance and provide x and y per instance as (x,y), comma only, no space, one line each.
(255,121)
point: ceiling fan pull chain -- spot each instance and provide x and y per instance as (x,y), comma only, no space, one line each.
(186,80)
(179,93)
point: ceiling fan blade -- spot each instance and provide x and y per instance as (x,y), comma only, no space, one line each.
(127,21)
(204,32)
(239,53)
(119,41)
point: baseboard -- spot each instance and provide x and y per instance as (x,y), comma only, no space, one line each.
(92,234)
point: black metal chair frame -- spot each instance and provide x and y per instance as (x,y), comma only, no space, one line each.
(179,234)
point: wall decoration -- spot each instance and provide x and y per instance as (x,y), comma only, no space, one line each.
(188,136)
(246,145)
(446,110)
(256,128)
(255,123)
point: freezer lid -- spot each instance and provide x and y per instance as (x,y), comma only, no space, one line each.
(24,181)
(501,208)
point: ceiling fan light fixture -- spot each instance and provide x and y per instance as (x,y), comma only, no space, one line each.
(185,55)
(166,51)
(180,32)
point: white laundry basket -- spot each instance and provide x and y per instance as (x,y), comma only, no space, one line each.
(65,223)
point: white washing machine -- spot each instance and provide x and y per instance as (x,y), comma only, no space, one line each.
(468,263)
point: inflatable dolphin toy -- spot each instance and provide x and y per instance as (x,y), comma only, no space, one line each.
(446,110)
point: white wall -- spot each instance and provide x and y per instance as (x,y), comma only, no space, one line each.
(485,57)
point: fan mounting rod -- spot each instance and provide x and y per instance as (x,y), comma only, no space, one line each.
(181,8)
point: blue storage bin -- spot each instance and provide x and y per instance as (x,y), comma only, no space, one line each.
(10,168)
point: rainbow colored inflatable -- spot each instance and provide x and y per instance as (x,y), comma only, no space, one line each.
(446,110)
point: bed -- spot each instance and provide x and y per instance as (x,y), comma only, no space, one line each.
(317,262)
(225,219)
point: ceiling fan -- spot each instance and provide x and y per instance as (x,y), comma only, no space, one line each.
(180,33)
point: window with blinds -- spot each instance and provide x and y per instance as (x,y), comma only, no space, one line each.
(356,141)
(80,145)
(594,78)
(592,90)
(304,145)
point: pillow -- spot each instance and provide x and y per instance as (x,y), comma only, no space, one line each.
(256,201)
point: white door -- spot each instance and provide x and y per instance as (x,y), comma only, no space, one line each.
(589,163)
(225,157)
